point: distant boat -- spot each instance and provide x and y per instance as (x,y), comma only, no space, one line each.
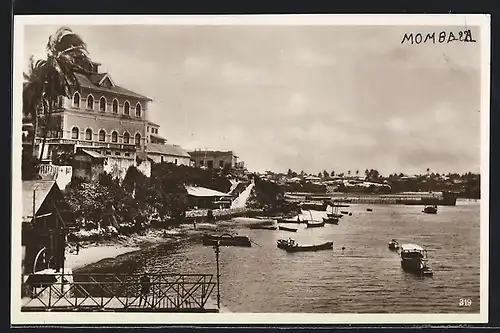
(211,240)
(331,220)
(334,216)
(393,244)
(264,227)
(414,259)
(291,246)
(344,212)
(315,224)
(313,205)
(369,210)
(430,209)
(287,228)
(291,220)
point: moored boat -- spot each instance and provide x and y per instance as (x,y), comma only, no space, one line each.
(414,259)
(291,245)
(313,205)
(264,227)
(430,209)
(315,224)
(393,244)
(331,220)
(224,240)
(291,220)
(287,228)
(333,215)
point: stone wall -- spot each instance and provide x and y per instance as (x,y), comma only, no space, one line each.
(60,173)
(117,167)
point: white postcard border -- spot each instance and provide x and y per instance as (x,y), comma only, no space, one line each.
(18,317)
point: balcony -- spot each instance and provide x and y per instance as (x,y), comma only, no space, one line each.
(95,144)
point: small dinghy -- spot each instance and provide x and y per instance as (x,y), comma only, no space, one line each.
(315,224)
(430,209)
(393,244)
(264,227)
(369,210)
(331,220)
(287,228)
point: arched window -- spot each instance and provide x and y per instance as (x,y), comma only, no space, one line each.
(76,100)
(115,106)
(138,139)
(114,136)
(90,102)
(74,133)
(102,104)
(102,135)
(138,110)
(60,101)
(126,108)
(126,137)
(88,134)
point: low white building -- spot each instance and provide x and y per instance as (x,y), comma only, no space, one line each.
(159,153)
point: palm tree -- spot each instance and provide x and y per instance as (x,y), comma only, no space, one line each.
(33,96)
(66,55)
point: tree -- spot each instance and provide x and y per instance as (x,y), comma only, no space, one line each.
(33,93)
(289,173)
(357,173)
(332,173)
(56,75)
(325,174)
(349,172)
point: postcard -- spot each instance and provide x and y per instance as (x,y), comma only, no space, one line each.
(250,169)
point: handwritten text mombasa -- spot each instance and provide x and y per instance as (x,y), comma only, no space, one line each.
(464,36)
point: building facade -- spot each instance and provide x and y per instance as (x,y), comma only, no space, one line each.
(152,135)
(214,159)
(102,115)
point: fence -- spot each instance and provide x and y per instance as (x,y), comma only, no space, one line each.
(115,292)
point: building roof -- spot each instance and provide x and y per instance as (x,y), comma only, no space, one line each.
(211,152)
(93,80)
(92,153)
(166,149)
(198,191)
(153,124)
(42,189)
(157,137)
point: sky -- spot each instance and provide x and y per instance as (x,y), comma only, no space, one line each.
(302,97)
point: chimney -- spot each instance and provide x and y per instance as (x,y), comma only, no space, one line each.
(95,67)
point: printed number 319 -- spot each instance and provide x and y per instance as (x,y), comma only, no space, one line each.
(465,302)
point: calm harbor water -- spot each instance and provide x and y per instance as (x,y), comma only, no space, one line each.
(366,277)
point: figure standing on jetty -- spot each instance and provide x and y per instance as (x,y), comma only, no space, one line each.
(145,283)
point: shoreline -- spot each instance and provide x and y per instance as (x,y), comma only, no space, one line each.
(92,252)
